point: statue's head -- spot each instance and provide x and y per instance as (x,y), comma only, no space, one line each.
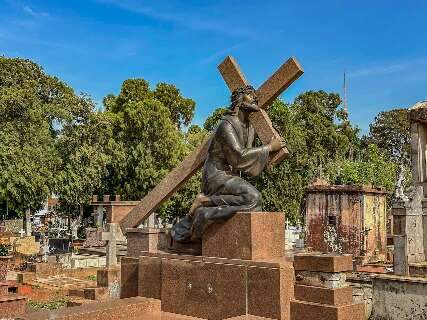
(244,98)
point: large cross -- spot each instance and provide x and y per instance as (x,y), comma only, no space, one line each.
(266,93)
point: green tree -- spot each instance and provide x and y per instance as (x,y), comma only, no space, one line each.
(153,146)
(390,131)
(147,129)
(87,149)
(181,109)
(374,169)
(212,120)
(33,108)
(318,135)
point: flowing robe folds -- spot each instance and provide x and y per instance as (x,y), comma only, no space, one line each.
(230,154)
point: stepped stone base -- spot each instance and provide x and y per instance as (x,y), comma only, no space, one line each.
(336,297)
(323,262)
(217,288)
(302,310)
(132,308)
(145,239)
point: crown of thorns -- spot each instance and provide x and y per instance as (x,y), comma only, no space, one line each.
(239,92)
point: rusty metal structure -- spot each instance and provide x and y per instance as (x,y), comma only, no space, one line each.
(347,219)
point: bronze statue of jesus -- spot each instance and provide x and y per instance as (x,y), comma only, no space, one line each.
(230,154)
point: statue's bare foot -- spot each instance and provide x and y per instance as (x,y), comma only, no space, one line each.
(200,201)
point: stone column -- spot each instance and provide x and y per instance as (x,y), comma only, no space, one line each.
(28,222)
(100,216)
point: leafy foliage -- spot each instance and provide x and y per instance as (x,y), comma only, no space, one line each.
(317,134)
(33,107)
(52,140)
(4,250)
(390,131)
(374,169)
(213,119)
(86,149)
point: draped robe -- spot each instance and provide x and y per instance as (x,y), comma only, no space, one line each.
(230,154)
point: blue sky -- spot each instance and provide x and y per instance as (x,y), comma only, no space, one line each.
(96,44)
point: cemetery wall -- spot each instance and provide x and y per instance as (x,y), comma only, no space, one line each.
(396,298)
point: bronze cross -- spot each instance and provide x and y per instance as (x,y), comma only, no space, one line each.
(266,93)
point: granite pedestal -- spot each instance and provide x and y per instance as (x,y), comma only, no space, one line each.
(242,272)
(145,239)
(321,291)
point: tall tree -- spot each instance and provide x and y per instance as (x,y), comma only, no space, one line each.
(318,135)
(148,129)
(87,149)
(181,109)
(33,108)
(390,131)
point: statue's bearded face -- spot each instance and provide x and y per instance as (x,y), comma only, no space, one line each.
(245,99)
(249,103)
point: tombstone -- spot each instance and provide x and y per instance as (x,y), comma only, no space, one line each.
(28,223)
(26,246)
(347,219)
(45,249)
(110,276)
(14,225)
(410,214)
(112,235)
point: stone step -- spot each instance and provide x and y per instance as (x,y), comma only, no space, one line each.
(12,305)
(98,294)
(126,309)
(76,293)
(303,310)
(77,301)
(336,297)
(323,262)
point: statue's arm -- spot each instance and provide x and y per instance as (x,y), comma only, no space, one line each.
(249,160)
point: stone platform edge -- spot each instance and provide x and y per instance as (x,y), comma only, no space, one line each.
(277,262)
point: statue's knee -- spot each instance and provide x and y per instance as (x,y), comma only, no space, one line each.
(254,197)
(258,198)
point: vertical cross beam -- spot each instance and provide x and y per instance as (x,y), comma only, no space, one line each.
(111,238)
(267,92)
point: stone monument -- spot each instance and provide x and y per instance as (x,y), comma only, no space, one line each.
(230,154)
(241,269)
(266,94)
(409,213)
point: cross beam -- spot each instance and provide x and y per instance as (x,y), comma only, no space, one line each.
(267,93)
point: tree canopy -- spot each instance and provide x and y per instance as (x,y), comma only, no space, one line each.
(54,141)
(33,107)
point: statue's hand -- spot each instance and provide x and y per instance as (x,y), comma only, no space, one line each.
(276,144)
